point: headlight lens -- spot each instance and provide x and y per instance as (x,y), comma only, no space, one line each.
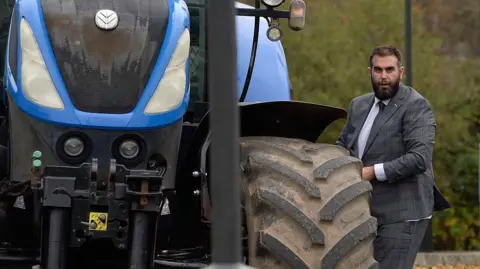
(73,147)
(129,149)
(171,89)
(272,3)
(36,81)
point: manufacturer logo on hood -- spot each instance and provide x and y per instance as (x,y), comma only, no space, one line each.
(106,19)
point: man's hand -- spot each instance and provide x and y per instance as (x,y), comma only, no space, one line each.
(368,173)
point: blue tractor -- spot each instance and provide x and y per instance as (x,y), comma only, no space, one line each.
(104,143)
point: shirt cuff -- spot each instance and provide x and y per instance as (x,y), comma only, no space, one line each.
(379,172)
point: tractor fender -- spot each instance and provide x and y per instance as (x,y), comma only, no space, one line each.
(288,119)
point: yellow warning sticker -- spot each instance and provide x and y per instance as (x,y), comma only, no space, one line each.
(98,221)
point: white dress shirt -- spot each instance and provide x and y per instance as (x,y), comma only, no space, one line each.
(363,136)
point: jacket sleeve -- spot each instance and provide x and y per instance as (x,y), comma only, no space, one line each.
(342,139)
(419,138)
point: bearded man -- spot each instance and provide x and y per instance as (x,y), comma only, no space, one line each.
(392,130)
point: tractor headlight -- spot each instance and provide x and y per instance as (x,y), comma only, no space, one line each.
(272,3)
(171,89)
(129,149)
(36,81)
(73,147)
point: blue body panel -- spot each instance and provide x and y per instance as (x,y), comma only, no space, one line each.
(70,116)
(269,81)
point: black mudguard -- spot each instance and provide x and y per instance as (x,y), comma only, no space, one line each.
(291,119)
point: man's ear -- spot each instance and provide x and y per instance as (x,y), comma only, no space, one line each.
(402,71)
(369,70)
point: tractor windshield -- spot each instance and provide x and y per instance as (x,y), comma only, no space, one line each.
(198,56)
(6,7)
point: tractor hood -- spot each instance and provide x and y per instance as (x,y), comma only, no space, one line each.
(106,58)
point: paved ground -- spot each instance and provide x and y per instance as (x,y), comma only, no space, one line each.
(457,266)
(448,259)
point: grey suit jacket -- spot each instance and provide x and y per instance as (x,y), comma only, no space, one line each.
(402,139)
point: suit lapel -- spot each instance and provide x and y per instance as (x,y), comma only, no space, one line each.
(362,117)
(392,107)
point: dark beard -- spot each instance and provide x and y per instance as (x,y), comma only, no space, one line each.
(385,93)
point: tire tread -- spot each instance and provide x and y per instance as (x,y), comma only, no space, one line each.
(290,177)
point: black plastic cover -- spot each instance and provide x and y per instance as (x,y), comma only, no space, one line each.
(106,71)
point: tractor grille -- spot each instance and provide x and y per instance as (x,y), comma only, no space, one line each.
(106,71)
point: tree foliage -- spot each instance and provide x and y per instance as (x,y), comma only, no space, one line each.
(328,63)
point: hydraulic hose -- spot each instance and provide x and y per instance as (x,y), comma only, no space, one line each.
(253,55)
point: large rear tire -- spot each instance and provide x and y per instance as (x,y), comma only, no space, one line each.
(306,206)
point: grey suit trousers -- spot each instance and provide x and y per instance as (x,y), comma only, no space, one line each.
(397,244)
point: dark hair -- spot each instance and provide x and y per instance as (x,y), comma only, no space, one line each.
(386,50)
